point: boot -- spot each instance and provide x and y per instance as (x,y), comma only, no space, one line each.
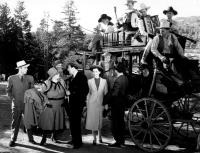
(44,139)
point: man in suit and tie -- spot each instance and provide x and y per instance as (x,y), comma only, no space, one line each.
(17,85)
(118,93)
(78,90)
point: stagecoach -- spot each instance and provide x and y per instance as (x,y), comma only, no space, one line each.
(152,118)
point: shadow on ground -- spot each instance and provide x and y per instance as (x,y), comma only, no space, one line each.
(24,147)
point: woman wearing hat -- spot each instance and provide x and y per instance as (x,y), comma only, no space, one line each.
(54,88)
(97,90)
(170,12)
(103,23)
(104,26)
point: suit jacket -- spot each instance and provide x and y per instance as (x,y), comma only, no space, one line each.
(17,87)
(79,89)
(119,89)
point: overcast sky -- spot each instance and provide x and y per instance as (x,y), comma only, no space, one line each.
(90,10)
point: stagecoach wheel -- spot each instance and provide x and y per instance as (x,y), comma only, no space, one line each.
(149,125)
(188,122)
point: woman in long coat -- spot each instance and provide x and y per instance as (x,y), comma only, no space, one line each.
(53,119)
(97,89)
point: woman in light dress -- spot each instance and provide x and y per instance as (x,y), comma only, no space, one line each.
(97,90)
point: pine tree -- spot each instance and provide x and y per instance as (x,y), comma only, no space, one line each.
(72,37)
(9,42)
(21,16)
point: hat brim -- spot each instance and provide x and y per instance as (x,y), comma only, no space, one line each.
(26,65)
(131,2)
(147,8)
(173,11)
(96,67)
(108,17)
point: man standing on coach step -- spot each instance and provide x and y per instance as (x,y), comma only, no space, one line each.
(17,85)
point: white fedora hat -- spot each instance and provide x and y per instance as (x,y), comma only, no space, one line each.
(144,7)
(164,24)
(130,1)
(22,64)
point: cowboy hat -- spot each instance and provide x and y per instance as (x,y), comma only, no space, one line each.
(21,64)
(99,67)
(130,1)
(104,16)
(144,7)
(52,72)
(164,24)
(170,9)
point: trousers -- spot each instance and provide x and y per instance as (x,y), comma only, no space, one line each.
(16,120)
(118,124)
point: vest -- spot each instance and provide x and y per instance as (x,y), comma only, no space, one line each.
(172,50)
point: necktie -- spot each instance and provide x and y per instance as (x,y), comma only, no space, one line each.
(22,78)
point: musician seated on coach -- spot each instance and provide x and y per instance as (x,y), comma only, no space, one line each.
(104,26)
(143,13)
(129,22)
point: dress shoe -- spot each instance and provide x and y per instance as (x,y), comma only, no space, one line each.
(100,141)
(115,145)
(43,141)
(94,142)
(32,141)
(11,144)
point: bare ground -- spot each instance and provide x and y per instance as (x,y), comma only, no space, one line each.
(23,146)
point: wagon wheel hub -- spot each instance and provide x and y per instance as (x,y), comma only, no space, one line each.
(146,125)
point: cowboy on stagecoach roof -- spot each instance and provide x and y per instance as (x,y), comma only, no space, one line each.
(170,13)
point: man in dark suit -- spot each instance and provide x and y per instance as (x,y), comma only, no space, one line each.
(78,90)
(117,102)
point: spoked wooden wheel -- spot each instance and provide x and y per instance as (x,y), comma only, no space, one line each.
(149,125)
(187,124)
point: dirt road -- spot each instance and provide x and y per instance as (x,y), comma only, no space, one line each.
(22,145)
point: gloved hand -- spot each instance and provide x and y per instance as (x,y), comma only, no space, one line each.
(164,59)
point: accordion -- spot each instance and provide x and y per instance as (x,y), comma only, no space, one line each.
(150,24)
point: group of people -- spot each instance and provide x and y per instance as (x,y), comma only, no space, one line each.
(164,43)
(132,23)
(58,97)
(47,106)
